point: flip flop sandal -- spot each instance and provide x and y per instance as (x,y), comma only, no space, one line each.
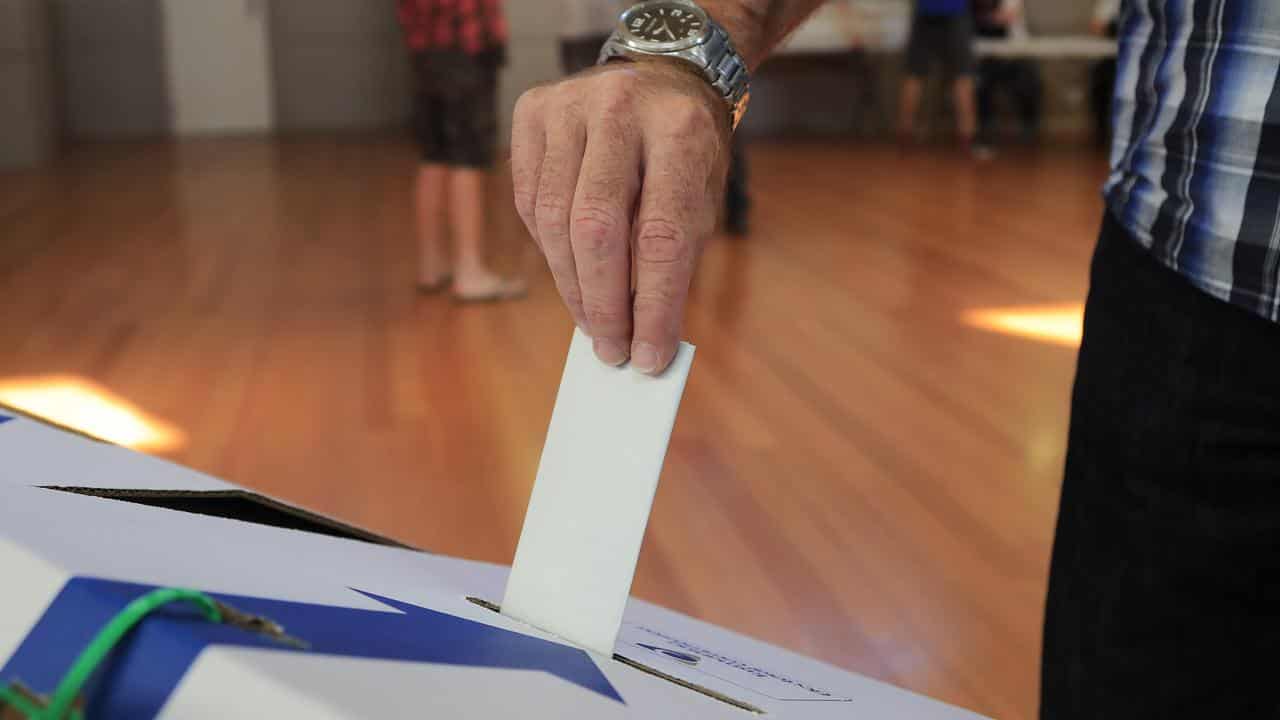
(506,290)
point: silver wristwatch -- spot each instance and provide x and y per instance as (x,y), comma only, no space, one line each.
(681,30)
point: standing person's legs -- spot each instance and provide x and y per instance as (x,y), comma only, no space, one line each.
(429,193)
(989,79)
(963,94)
(1164,592)
(920,51)
(912,90)
(961,61)
(470,128)
(431,182)
(466,213)
(1028,91)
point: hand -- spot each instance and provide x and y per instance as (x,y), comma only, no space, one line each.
(618,170)
(1098,27)
(1005,17)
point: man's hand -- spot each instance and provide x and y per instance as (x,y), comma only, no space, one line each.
(618,172)
(1098,27)
(1005,16)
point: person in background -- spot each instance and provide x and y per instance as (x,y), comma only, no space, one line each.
(1105,23)
(1106,14)
(737,196)
(942,34)
(458,48)
(1017,78)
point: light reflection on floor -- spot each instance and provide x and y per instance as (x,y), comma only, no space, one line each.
(84,405)
(1057,324)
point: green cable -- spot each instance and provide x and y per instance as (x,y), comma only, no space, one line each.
(15,699)
(106,640)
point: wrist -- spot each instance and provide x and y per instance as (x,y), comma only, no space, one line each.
(684,32)
(676,74)
(746,26)
(663,65)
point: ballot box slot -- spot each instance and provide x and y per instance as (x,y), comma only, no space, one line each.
(239,505)
(649,670)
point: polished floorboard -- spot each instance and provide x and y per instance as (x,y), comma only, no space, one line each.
(857,472)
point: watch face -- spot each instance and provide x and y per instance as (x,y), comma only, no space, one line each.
(666,23)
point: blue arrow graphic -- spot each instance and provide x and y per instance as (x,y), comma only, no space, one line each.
(146,668)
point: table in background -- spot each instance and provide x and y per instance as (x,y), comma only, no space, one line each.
(1063,47)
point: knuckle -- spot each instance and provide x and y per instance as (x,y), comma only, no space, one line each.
(597,230)
(656,302)
(602,316)
(661,242)
(551,211)
(689,117)
(572,299)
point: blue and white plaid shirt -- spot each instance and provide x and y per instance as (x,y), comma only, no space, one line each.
(1195,167)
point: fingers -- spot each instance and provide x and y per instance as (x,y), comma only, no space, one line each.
(601,232)
(677,212)
(528,146)
(585,153)
(565,142)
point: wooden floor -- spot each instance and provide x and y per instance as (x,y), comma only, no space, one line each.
(856,473)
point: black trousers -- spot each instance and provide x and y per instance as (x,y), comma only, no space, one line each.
(1017,80)
(1164,593)
(1102,83)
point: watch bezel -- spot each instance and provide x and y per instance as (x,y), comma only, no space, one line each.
(630,40)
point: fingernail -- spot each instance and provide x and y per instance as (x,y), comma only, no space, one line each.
(610,352)
(644,357)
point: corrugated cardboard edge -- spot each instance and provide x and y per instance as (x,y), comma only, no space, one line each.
(246,495)
(242,494)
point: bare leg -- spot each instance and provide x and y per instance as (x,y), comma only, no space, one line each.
(966,115)
(429,194)
(474,279)
(912,89)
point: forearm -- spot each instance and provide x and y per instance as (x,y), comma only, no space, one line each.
(757,26)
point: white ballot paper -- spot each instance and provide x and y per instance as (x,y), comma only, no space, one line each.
(591,500)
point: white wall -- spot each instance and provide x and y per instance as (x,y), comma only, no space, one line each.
(219,65)
(26,87)
(339,65)
(534,54)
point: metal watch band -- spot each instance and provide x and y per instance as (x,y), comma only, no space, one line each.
(724,69)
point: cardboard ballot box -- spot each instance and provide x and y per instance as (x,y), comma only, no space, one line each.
(370,629)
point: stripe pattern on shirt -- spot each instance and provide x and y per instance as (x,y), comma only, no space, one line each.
(1195,165)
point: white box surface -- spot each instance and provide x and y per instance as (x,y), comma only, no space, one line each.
(391,631)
